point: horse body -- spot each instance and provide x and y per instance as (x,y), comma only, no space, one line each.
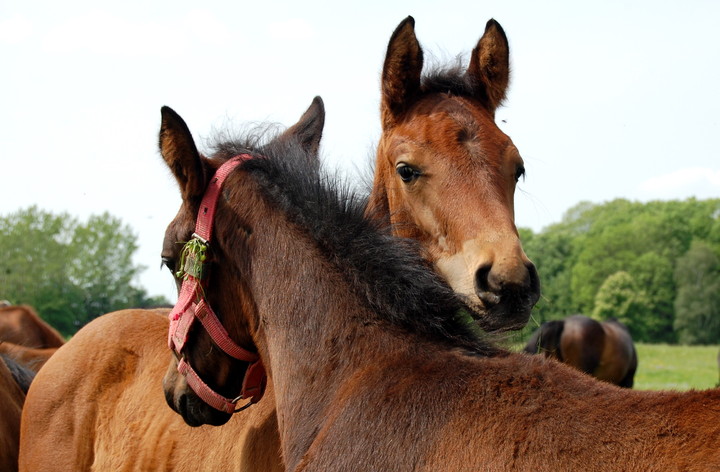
(21,325)
(14,382)
(506,414)
(371,367)
(111,414)
(604,350)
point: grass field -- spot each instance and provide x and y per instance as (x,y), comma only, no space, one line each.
(665,367)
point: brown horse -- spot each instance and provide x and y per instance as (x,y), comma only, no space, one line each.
(604,350)
(249,453)
(371,366)
(14,383)
(99,403)
(440,156)
(30,357)
(20,324)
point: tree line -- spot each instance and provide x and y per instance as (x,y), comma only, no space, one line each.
(654,266)
(68,270)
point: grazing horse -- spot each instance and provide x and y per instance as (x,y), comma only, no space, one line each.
(14,383)
(250,441)
(19,324)
(371,367)
(604,350)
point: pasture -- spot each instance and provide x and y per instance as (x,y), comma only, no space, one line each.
(672,367)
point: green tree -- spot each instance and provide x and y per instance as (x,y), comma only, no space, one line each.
(620,297)
(70,272)
(697,306)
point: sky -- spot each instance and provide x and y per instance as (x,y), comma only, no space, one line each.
(611,99)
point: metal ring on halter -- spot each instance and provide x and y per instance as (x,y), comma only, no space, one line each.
(247,405)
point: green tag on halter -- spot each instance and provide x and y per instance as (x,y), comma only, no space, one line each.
(192,259)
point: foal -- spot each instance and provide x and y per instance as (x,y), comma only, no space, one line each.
(371,367)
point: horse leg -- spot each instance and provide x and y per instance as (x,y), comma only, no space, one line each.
(629,378)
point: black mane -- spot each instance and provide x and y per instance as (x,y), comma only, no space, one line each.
(21,374)
(387,271)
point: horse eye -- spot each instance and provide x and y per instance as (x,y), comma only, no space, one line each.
(519,172)
(407,173)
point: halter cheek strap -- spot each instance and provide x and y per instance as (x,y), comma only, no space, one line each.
(192,305)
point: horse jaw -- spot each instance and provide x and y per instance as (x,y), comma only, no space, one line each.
(181,398)
(502,292)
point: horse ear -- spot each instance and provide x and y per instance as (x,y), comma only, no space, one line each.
(179,152)
(401,71)
(490,65)
(308,130)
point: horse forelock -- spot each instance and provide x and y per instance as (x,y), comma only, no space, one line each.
(387,272)
(448,78)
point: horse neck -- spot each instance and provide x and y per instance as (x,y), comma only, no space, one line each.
(314,337)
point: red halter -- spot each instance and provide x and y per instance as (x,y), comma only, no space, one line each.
(191,304)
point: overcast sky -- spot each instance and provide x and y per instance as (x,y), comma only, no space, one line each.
(607,100)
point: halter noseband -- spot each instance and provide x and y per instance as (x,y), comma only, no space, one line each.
(192,305)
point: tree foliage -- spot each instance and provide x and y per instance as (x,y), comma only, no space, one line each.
(69,271)
(697,306)
(600,253)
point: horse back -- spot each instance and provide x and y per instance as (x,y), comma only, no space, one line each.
(619,359)
(20,324)
(582,343)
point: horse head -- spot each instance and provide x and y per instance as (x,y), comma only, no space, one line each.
(446,174)
(221,288)
(546,340)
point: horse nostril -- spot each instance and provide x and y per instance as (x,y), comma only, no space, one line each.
(484,286)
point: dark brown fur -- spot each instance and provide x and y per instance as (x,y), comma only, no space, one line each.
(14,381)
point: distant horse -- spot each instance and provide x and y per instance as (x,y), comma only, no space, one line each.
(14,383)
(507,308)
(20,324)
(604,350)
(372,369)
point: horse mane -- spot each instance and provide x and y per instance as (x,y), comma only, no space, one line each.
(386,271)
(21,374)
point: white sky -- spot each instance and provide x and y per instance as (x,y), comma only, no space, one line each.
(608,99)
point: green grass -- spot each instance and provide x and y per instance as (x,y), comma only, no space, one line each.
(666,367)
